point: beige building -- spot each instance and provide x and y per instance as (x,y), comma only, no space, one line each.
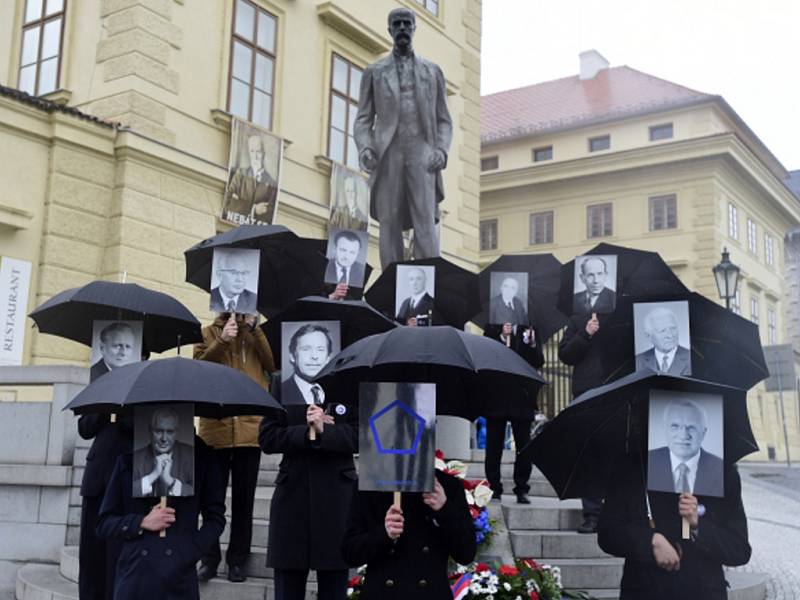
(119,163)
(619,156)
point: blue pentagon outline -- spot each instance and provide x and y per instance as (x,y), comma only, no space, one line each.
(397,405)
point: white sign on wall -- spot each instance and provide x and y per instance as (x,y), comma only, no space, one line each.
(15,279)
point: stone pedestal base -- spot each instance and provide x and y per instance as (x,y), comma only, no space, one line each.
(453,437)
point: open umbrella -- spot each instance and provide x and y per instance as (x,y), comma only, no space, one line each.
(290,266)
(455,291)
(70,314)
(358,319)
(725,347)
(217,391)
(475,376)
(639,273)
(544,281)
(579,449)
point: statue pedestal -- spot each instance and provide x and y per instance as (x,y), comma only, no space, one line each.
(453,437)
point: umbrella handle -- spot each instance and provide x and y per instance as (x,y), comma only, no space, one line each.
(163,504)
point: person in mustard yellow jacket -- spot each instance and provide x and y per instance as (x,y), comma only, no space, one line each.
(238,342)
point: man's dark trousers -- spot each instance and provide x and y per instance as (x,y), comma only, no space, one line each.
(495,438)
(98,557)
(290,584)
(241,464)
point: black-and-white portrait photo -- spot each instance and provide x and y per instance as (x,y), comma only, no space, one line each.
(234,280)
(397,436)
(349,199)
(662,339)
(414,291)
(254,165)
(508,298)
(595,285)
(347,257)
(163,450)
(306,347)
(685,443)
(114,344)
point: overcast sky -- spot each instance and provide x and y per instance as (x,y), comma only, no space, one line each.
(744,50)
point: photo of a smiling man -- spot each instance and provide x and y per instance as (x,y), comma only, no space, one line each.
(662,337)
(307,348)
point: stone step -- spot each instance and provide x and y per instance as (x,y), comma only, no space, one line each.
(555,544)
(542,514)
(746,586)
(583,573)
(598,594)
(68,564)
(261,503)
(260,533)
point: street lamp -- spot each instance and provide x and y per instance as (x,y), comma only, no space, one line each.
(726,275)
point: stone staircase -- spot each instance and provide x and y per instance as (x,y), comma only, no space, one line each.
(543,530)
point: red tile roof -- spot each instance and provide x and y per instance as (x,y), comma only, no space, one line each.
(566,103)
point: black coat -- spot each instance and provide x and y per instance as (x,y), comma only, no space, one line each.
(584,354)
(111,440)
(313,490)
(151,567)
(415,566)
(721,538)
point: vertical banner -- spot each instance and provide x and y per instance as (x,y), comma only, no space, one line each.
(15,281)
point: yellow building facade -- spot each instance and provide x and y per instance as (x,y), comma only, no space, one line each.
(625,158)
(132,171)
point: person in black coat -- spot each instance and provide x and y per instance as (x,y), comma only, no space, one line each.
(313,491)
(659,565)
(97,557)
(406,550)
(523,342)
(582,348)
(151,567)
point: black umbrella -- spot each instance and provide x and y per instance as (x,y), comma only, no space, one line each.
(579,449)
(217,391)
(639,273)
(71,313)
(544,281)
(725,348)
(455,291)
(358,319)
(475,376)
(290,267)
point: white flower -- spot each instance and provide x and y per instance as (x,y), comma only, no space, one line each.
(439,464)
(482,495)
(349,591)
(457,468)
(507,586)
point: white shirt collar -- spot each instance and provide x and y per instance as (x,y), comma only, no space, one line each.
(660,357)
(691,463)
(305,389)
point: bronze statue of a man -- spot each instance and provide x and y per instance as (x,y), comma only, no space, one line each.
(403,132)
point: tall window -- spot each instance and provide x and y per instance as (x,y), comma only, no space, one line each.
(432,6)
(541,228)
(752,236)
(754,308)
(772,325)
(490,163)
(663,212)
(40,58)
(733,222)
(661,132)
(489,234)
(769,249)
(602,142)
(345,87)
(252,80)
(540,154)
(598,220)
(736,302)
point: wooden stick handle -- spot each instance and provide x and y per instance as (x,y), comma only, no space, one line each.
(163,532)
(685,528)
(396,499)
(508,341)
(113,417)
(312,433)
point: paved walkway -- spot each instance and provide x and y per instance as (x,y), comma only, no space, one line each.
(771,498)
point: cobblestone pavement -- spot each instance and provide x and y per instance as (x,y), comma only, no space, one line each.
(771,497)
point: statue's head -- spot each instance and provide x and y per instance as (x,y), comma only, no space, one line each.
(402,25)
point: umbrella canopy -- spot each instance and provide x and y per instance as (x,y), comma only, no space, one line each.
(71,313)
(475,376)
(579,449)
(455,291)
(725,348)
(639,273)
(290,266)
(217,391)
(358,320)
(544,281)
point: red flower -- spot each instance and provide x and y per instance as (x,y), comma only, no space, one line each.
(474,511)
(470,484)
(439,454)
(534,595)
(481,567)
(531,564)
(508,570)
(355,581)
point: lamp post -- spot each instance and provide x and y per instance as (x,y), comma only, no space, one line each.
(726,275)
